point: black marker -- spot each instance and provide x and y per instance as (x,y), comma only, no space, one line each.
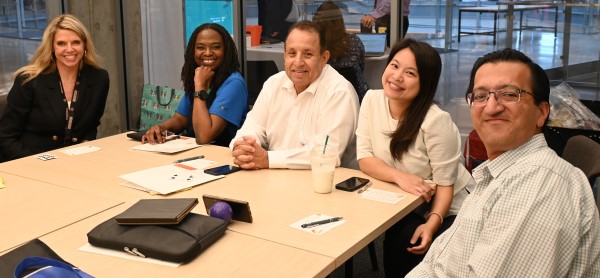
(321,222)
(188,159)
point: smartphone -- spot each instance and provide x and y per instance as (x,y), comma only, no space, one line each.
(222,170)
(352,184)
(241,209)
(136,135)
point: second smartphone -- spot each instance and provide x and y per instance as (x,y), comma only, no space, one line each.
(222,170)
(352,184)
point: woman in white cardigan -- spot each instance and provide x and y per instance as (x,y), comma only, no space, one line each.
(406,139)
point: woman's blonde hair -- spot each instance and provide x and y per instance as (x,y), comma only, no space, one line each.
(43,60)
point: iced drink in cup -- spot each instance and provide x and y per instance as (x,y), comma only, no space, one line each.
(323,160)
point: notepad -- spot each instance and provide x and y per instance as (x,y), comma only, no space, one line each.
(157,211)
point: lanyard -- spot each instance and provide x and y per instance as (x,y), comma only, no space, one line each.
(70,111)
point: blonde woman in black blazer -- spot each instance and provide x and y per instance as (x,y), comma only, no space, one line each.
(58,99)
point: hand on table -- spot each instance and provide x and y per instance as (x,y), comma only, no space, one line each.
(416,185)
(248,154)
(154,135)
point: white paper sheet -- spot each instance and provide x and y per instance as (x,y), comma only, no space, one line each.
(320,229)
(173,146)
(114,253)
(381,196)
(81,150)
(168,179)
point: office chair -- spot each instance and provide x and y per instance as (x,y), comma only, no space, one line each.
(584,153)
(257,73)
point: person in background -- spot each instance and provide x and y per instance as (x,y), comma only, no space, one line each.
(347,52)
(58,99)
(216,97)
(531,214)
(276,17)
(298,108)
(406,139)
(381,17)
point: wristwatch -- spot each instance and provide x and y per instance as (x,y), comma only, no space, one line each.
(202,94)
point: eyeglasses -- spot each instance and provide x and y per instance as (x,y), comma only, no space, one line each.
(504,95)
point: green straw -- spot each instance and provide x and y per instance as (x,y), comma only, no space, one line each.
(325,146)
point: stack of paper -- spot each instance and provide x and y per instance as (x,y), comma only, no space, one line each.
(172,146)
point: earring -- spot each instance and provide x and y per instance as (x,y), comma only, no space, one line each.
(84,52)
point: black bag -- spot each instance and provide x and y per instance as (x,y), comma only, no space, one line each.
(176,243)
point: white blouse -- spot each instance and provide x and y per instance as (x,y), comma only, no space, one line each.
(435,154)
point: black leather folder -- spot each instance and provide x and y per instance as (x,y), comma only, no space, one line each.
(157,211)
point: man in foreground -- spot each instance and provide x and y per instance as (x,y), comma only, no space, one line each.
(531,214)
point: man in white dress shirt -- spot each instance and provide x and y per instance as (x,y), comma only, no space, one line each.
(299,108)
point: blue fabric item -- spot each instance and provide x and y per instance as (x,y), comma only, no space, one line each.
(49,268)
(231,104)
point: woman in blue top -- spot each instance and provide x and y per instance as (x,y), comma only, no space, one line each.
(216,99)
(347,50)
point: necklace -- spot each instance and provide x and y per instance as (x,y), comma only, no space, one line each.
(70,110)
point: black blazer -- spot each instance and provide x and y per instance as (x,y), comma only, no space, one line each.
(34,119)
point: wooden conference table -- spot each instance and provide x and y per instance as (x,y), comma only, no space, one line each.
(30,209)
(277,199)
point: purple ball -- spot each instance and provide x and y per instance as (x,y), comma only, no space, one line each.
(221,210)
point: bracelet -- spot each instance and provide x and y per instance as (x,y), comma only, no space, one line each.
(438,215)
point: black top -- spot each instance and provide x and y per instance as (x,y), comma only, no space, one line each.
(34,119)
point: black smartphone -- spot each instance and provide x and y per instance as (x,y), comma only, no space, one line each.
(352,184)
(137,135)
(241,209)
(222,170)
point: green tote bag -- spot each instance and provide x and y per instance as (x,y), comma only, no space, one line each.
(158,104)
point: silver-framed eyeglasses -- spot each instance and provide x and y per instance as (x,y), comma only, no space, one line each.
(505,95)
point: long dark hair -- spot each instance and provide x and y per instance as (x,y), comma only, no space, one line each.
(329,17)
(230,61)
(429,66)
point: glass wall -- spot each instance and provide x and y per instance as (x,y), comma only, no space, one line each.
(23,18)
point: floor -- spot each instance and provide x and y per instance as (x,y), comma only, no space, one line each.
(542,46)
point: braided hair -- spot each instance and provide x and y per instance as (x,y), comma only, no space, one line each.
(230,61)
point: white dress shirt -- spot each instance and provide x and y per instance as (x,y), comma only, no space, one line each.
(288,124)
